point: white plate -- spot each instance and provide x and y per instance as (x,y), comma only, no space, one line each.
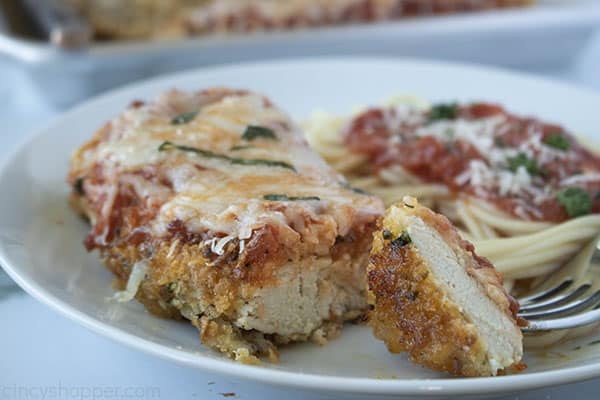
(40,238)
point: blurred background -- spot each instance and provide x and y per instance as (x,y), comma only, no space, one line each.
(72,49)
(56,53)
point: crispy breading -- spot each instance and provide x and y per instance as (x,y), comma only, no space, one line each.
(420,310)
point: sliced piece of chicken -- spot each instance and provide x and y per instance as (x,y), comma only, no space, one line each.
(433,297)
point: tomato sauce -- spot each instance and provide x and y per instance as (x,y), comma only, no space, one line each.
(552,157)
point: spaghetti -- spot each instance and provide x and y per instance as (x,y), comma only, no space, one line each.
(525,192)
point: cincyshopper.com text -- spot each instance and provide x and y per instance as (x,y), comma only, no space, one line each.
(61,391)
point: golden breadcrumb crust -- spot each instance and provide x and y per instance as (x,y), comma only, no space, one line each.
(410,314)
(184,283)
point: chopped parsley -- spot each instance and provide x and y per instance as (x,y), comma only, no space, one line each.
(260,161)
(499,142)
(557,141)
(253,131)
(78,187)
(184,118)
(522,160)
(577,202)
(443,111)
(411,295)
(285,197)
(387,235)
(240,147)
(346,185)
(401,240)
(166,146)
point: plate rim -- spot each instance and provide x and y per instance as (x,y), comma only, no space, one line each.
(329,383)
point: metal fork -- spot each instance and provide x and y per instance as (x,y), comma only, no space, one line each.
(568,299)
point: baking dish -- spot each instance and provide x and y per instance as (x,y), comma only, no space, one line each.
(549,34)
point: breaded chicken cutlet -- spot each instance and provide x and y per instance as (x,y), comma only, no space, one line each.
(180,18)
(435,298)
(210,206)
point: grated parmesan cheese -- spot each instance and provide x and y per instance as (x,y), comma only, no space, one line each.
(137,275)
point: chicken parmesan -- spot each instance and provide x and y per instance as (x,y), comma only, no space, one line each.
(210,206)
(156,18)
(435,298)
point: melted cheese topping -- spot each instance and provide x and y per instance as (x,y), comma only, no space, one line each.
(213,195)
(239,15)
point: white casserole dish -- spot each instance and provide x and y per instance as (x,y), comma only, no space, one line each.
(548,34)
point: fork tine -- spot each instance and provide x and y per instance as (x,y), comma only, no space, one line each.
(557,300)
(545,293)
(573,303)
(573,321)
(574,271)
(565,310)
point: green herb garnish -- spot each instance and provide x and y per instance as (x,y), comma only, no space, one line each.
(285,197)
(557,141)
(521,160)
(412,295)
(499,142)
(240,147)
(260,161)
(78,187)
(401,240)
(165,146)
(184,118)
(443,111)
(577,202)
(253,131)
(346,185)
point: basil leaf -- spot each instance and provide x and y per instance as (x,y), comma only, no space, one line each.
(557,141)
(240,147)
(285,197)
(443,111)
(346,185)
(260,161)
(577,202)
(253,131)
(184,118)
(521,160)
(166,146)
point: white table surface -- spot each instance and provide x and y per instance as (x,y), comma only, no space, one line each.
(44,355)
